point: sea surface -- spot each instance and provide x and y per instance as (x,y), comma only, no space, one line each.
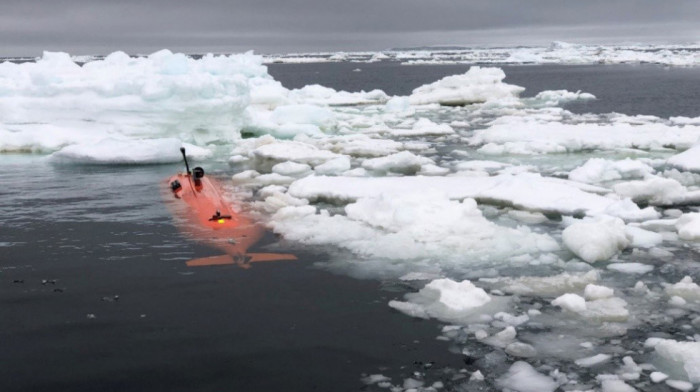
(95,294)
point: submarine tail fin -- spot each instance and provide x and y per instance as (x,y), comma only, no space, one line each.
(213,260)
(244,263)
(258,257)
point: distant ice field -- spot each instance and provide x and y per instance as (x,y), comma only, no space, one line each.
(547,216)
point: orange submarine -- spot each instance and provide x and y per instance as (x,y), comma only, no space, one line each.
(203,214)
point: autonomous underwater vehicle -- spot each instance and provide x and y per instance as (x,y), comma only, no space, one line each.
(202,213)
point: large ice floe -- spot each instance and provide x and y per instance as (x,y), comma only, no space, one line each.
(551,246)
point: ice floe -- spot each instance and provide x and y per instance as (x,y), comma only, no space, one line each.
(477,85)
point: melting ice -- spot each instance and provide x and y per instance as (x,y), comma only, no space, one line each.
(559,250)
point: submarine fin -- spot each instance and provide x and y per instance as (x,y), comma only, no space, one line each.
(213,260)
(259,257)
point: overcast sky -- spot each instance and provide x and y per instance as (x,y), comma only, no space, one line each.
(28,27)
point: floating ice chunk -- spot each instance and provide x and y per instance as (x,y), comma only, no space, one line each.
(432,170)
(558,97)
(547,286)
(679,385)
(613,385)
(680,359)
(412,384)
(424,127)
(130,152)
(293,151)
(291,169)
(522,377)
(598,170)
(375,378)
(522,350)
(688,226)
(654,190)
(641,238)
(319,95)
(631,268)
(593,361)
(571,302)
(596,240)
(444,299)
(593,292)
(334,166)
(687,160)
(397,105)
(605,309)
(528,217)
(657,377)
(686,289)
(503,338)
(475,86)
(403,162)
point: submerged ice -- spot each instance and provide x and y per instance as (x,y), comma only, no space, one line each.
(558,250)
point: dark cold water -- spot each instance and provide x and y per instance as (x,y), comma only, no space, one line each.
(95,295)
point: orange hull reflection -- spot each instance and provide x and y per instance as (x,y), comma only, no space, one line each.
(204,215)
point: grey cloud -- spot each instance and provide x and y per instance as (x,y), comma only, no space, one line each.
(27,27)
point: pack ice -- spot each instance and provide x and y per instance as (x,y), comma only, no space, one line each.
(552,243)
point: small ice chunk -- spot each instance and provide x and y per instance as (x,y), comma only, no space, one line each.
(593,292)
(630,268)
(502,338)
(596,240)
(613,385)
(375,378)
(688,226)
(522,377)
(687,160)
(412,383)
(334,166)
(571,302)
(676,301)
(476,376)
(593,361)
(641,238)
(598,170)
(657,377)
(444,299)
(291,169)
(686,289)
(679,385)
(403,162)
(519,349)
(679,358)
(528,217)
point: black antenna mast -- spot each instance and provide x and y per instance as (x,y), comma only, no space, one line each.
(187,166)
